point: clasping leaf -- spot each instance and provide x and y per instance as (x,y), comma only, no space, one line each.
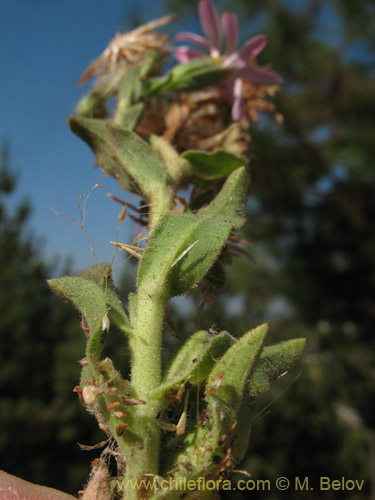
(194,361)
(274,361)
(192,75)
(213,166)
(93,294)
(236,366)
(184,247)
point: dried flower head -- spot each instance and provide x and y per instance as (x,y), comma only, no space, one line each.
(198,120)
(129,48)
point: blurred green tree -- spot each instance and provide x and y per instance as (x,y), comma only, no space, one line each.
(40,342)
(312,205)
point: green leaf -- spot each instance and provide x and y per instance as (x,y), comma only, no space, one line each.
(208,448)
(192,75)
(216,276)
(149,63)
(85,296)
(183,363)
(144,165)
(194,360)
(92,105)
(128,158)
(201,200)
(90,301)
(242,432)
(130,88)
(139,160)
(132,115)
(129,93)
(156,85)
(213,166)
(227,381)
(95,133)
(196,74)
(180,253)
(101,275)
(274,361)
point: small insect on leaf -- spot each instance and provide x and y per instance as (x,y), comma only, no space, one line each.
(215,384)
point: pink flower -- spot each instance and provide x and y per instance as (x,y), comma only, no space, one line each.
(221,42)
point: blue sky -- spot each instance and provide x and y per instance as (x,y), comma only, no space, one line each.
(45,45)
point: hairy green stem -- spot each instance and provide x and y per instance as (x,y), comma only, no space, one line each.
(177,167)
(145,345)
(160,204)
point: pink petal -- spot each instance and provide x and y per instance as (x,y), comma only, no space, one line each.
(252,47)
(259,75)
(192,37)
(237,88)
(210,22)
(238,108)
(184,54)
(229,23)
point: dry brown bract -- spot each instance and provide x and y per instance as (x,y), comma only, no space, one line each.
(98,487)
(195,120)
(199,120)
(128,48)
(255,97)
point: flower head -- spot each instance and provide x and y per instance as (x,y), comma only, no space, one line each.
(128,48)
(221,42)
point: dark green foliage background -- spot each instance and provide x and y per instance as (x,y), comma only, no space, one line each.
(41,420)
(311,213)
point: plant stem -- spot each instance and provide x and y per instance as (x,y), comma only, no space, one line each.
(161,203)
(145,345)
